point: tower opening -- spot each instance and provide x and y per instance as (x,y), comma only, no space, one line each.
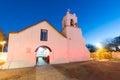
(71,22)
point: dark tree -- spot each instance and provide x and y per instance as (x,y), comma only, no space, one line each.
(112,44)
(116,42)
(91,47)
(108,44)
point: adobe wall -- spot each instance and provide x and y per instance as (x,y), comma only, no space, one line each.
(22,46)
(116,55)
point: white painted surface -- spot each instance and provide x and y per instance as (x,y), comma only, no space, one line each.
(22,45)
(76,44)
(3,56)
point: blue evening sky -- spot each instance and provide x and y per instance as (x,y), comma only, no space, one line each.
(98,19)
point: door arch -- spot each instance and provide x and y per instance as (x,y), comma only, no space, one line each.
(43,55)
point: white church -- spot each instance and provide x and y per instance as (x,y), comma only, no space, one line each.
(42,44)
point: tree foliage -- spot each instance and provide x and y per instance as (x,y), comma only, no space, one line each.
(116,42)
(112,44)
(108,44)
(91,47)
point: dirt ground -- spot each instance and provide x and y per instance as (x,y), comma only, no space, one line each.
(90,70)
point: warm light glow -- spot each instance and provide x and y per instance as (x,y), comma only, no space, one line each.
(2,62)
(101,54)
(3,42)
(98,45)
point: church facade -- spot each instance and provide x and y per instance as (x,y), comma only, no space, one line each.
(42,44)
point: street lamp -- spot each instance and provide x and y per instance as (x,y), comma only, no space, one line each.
(3,44)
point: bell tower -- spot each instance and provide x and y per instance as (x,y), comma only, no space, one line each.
(70,24)
(69,20)
(77,50)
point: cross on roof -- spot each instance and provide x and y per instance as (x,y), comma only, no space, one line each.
(68,10)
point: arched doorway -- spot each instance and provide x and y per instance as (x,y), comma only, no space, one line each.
(43,55)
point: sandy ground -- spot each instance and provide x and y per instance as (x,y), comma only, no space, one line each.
(91,70)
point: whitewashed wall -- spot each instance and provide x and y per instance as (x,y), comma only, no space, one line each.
(76,45)
(3,56)
(22,46)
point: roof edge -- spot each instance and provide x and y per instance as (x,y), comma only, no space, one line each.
(27,27)
(36,24)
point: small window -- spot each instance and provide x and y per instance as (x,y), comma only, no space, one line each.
(44,34)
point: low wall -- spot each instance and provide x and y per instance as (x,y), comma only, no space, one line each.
(116,55)
(3,56)
(3,59)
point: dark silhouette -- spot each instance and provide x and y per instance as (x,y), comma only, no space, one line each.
(91,47)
